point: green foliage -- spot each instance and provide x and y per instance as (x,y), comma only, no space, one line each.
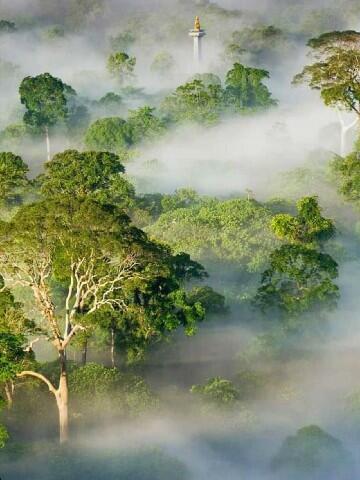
(14,135)
(115,134)
(150,302)
(217,391)
(92,174)
(309,227)
(335,73)
(194,102)
(13,330)
(245,89)
(13,175)
(7,27)
(144,125)
(261,42)
(298,280)
(310,452)
(121,66)
(182,198)
(46,460)
(163,63)
(346,174)
(11,354)
(109,134)
(251,384)
(45,98)
(212,301)
(122,42)
(203,100)
(55,32)
(111,99)
(207,78)
(230,232)
(78,118)
(4,436)
(234,52)
(107,390)
(184,268)
(332,39)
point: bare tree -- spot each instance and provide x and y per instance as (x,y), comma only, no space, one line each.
(94,282)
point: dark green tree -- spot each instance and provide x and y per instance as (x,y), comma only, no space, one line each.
(346,176)
(13,176)
(259,44)
(308,227)
(97,175)
(7,27)
(217,391)
(313,453)
(300,278)
(144,124)
(46,101)
(194,102)
(109,134)
(245,89)
(212,301)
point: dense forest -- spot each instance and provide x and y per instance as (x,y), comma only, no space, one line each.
(179,239)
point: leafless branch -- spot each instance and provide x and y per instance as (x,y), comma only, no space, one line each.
(30,373)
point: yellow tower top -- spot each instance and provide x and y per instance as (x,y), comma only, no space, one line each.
(197,26)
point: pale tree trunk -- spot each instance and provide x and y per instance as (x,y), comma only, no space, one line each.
(47,143)
(344,131)
(61,395)
(9,393)
(83,283)
(112,348)
(62,400)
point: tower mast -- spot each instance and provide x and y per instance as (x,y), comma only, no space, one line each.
(197,33)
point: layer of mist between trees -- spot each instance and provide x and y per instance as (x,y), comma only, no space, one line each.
(179,244)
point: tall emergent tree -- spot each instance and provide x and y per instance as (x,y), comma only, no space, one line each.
(81,244)
(336,74)
(102,264)
(46,100)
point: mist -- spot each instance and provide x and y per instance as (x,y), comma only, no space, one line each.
(174,427)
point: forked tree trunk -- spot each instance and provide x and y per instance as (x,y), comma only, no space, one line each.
(344,131)
(61,395)
(47,143)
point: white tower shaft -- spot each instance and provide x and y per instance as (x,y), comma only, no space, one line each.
(197,34)
(197,49)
